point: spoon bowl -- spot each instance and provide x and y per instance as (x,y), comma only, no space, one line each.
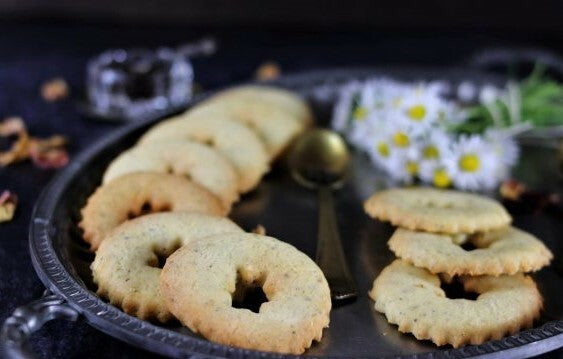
(320,158)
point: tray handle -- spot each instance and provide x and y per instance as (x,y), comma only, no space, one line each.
(29,318)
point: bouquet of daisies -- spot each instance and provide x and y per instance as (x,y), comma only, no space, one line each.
(409,131)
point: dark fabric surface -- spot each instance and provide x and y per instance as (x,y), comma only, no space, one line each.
(404,14)
(33,53)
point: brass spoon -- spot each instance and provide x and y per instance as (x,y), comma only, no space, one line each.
(320,160)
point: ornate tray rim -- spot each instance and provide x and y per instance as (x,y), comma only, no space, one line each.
(109,319)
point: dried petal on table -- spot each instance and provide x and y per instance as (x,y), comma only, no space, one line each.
(14,126)
(49,152)
(45,153)
(268,71)
(520,199)
(8,202)
(512,189)
(54,90)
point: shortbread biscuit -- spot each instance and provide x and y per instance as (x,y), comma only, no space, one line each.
(202,164)
(238,143)
(129,195)
(411,297)
(276,96)
(199,281)
(275,127)
(435,210)
(503,251)
(126,267)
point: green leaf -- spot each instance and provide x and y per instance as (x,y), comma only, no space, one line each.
(541,105)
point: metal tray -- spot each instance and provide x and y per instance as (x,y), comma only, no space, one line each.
(289,213)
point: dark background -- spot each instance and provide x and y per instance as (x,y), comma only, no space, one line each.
(44,39)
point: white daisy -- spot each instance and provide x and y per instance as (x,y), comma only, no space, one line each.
(435,173)
(404,166)
(436,145)
(473,163)
(434,149)
(401,136)
(420,107)
(403,128)
(376,142)
(380,151)
(506,150)
(504,145)
(450,113)
(363,134)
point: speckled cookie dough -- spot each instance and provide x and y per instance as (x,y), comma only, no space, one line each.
(199,281)
(279,97)
(126,267)
(411,297)
(503,251)
(435,210)
(123,198)
(202,164)
(238,143)
(275,126)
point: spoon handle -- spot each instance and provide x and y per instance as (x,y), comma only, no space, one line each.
(330,256)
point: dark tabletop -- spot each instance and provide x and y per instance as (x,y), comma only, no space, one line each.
(34,52)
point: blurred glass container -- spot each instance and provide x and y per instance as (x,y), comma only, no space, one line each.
(128,84)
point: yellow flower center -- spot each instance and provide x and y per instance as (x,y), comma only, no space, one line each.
(430,152)
(441,178)
(417,112)
(360,113)
(412,168)
(469,163)
(401,139)
(383,149)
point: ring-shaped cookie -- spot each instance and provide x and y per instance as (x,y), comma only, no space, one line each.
(238,143)
(275,96)
(199,281)
(276,127)
(435,210)
(129,195)
(411,297)
(202,164)
(503,251)
(126,267)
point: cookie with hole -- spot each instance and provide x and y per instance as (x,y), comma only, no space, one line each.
(128,262)
(234,140)
(202,164)
(507,250)
(275,126)
(138,193)
(435,210)
(275,96)
(413,299)
(202,282)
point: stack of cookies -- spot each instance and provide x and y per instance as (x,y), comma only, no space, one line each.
(191,262)
(435,228)
(201,160)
